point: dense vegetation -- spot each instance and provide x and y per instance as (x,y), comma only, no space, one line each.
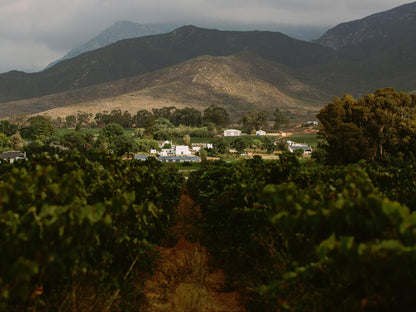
(71,225)
(294,236)
(311,239)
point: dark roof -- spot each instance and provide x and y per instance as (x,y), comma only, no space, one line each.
(141,157)
(11,154)
(179,158)
(300,146)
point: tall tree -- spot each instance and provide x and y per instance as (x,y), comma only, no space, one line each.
(254,120)
(187,116)
(216,115)
(375,126)
(280,120)
(40,128)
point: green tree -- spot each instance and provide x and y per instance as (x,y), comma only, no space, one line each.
(279,119)
(375,126)
(4,142)
(186,139)
(40,128)
(187,116)
(7,127)
(221,145)
(70,121)
(254,120)
(140,118)
(240,144)
(111,130)
(123,144)
(16,142)
(164,112)
(78,140)
(216,115)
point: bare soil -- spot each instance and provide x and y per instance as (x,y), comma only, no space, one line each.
(185,279)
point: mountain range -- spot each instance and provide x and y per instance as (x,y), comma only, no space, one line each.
(239,69)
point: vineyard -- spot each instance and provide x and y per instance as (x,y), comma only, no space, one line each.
(72,227)
(291,237)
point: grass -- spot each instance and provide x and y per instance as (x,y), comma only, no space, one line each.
(307,138)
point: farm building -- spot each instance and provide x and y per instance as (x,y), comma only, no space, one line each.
(232,132)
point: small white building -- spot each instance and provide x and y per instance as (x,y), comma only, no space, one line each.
(261,132)
(232,132)
(12,156)
(182,150)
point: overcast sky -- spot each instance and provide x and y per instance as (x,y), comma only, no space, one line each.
(34,33)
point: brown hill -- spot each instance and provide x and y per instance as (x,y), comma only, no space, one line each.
(239,83)
(132,57)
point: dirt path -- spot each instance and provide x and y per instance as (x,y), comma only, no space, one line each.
(184,278)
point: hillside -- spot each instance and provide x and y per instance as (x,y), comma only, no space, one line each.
(381,29)
(132,57)
(239,82)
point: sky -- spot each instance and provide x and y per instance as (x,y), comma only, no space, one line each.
(34,33)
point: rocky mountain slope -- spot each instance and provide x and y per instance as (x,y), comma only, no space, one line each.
(137,56)
(385,27)
(238,82)
(150,70)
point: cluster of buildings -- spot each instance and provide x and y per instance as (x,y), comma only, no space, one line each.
(307,150)
(234,132)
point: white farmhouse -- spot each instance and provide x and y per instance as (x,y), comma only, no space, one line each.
(232,132)
(182,150)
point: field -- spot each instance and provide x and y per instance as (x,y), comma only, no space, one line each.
(307,138)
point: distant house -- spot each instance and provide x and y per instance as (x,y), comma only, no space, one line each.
(13,156)
(312,123)
(261,132)
(175,159)
(141,157)
(182,150)
(232,132)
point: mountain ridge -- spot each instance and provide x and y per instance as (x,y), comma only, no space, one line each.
(389,25)
(238,82)
(131,57)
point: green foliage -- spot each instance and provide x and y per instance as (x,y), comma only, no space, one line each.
(280,120)
(40,128)
(4,142)
(145,145)
(123,144)
(341,238)
(8,128)
(375,126)
(112,130)
(187,116)
(63,218)
(313,239)
(216,115)
(79,141)
(254,120)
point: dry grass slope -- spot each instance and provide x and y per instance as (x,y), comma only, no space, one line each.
(239,83)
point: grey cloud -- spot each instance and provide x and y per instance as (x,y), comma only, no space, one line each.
(44,28)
